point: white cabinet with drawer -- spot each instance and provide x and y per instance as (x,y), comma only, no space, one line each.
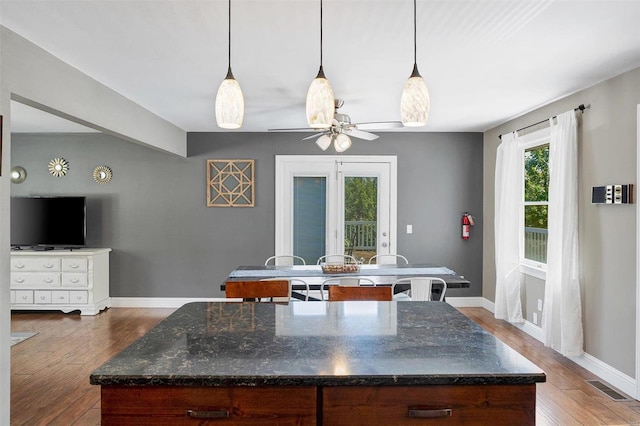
(65,280)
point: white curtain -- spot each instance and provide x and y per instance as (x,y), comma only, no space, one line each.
(508,190)
(562,313)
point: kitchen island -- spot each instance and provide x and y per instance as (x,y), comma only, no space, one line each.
(318,363)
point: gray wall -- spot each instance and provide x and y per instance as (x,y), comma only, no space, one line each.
(167,243)
(607,154)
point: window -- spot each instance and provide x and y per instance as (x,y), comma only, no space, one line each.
(535,211)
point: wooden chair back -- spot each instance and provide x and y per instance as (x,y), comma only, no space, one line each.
(257,289)
(341,293)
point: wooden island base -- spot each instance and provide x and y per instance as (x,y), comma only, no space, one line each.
(309,405)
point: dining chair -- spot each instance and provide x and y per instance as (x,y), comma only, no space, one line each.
(285,260)
(385,259)
(337,258)
(421,287)
(345,282)
(276,290)
(292,281)
(299,282)
(341,293)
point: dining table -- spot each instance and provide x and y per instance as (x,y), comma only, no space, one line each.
(315,275)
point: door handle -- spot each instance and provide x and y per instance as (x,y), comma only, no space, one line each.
(384,244)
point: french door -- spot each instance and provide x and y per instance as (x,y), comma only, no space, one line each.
(335,205)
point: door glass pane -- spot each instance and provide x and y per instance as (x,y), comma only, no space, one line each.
(360,216)
(309,217)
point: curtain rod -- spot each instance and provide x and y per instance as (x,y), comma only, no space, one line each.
(580,108)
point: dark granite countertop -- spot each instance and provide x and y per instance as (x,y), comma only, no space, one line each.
(317,344)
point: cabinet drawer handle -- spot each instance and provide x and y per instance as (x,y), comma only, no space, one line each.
(19,265)
(429,413)
(208,414)
(75,280)
(48,265)
(48,280)
(19,280)
(74,266)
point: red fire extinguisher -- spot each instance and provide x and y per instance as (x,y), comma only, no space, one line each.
(467,223)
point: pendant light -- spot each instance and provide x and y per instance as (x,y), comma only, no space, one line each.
(414,104)
(229,100)
(320,100)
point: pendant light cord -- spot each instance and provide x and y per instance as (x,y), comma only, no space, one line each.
(229,34)
(320,33)
(229,73)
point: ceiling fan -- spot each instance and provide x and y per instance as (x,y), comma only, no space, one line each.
(342,129)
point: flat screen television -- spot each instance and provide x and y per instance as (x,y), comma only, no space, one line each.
(48,222)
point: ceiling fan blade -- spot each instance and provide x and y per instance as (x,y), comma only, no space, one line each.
(360,134)
(294,129)
(315,135)
(379,125)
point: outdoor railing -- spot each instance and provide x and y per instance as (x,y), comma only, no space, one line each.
(535,244)
(360,235)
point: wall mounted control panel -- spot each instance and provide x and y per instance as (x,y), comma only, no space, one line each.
(612,194)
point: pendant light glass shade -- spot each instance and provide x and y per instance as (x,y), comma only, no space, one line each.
(229,104)
(415,103)
(342,142)
(324,142)
(229,99)
(320,103)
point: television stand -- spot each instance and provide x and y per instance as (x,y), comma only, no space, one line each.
(60,280)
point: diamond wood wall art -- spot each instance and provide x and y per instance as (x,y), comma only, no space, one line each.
(230,183)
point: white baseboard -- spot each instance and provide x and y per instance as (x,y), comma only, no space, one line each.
(615,378)
(466,302)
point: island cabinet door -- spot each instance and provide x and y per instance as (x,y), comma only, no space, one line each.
(430,405)
(159,405)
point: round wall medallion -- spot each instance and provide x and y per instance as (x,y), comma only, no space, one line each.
(18,174)
(102,174)
(58,167)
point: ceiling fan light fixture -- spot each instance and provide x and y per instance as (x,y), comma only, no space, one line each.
(324,142)
(229,99)
(342,143)
(320,99)
(415,103)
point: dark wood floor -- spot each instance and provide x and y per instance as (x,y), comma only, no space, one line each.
(50,372)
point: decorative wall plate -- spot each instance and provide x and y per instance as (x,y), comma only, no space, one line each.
(18,174)
(102,174)
(58,167)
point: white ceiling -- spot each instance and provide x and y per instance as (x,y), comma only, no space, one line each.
(484,61)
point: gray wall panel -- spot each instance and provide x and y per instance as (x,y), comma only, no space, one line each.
(167,243)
